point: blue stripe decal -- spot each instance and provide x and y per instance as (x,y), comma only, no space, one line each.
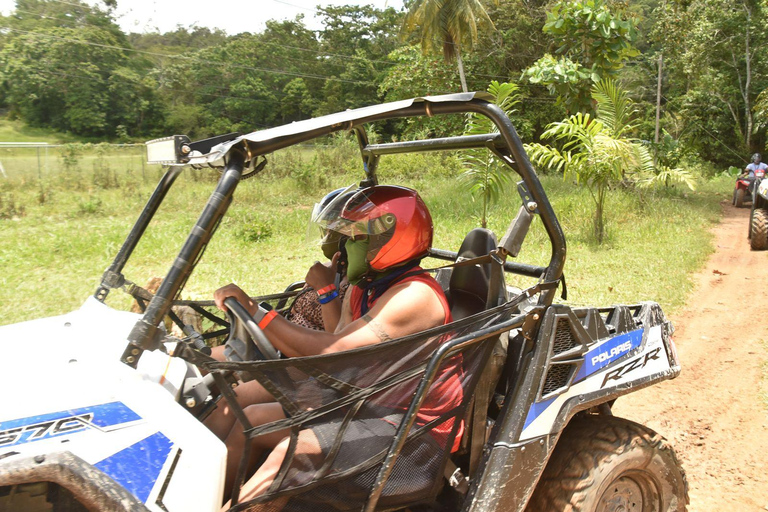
(535,411)
(45,426)
(608,352)
(137,467)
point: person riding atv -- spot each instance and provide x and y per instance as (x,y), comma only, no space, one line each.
(745,182)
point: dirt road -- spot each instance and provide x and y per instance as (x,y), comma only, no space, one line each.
(714,413)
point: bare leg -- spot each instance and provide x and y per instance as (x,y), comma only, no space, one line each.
(260,482)
(222,418)
(258,414)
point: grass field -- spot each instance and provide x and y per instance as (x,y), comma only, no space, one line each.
(16,131)
(59,233)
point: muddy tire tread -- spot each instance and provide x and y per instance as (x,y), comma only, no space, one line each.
(759,239)
(587,442)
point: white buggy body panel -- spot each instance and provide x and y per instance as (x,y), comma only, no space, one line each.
(76,396)
(616,363)
(762,189)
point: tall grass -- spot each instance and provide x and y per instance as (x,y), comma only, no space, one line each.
(53,253)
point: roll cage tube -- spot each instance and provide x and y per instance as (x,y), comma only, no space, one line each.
(507,134)
(113,276)
(142,336)
(557,260)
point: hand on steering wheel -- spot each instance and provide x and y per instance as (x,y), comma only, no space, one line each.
(233,300)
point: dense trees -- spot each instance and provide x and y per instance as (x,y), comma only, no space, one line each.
(67,65)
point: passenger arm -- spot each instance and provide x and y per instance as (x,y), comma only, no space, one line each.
(402,310)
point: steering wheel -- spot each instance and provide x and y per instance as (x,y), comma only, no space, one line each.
(241,350)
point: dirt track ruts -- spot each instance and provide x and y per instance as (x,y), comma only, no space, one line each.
(713,413)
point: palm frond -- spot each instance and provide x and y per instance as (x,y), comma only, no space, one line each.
(547,157)
(665,176)
(614,107)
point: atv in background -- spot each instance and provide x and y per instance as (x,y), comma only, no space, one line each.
(104,408)
(745,186)
(758,218)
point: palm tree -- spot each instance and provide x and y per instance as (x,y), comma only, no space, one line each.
(486,176)
(447,25)
(596,150)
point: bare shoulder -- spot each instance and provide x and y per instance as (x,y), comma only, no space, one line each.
(414,302)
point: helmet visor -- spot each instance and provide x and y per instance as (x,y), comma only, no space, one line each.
(360,217)
(324,213)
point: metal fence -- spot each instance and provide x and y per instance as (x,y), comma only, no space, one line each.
(32,161)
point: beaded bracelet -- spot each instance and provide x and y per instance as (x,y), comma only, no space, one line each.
(327,297)
(324,291)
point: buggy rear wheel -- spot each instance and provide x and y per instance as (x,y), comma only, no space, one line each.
(758,239)
(604,463)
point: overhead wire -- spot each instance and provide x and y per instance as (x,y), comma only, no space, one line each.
(290,47)
(726,146)
(192,59)
(296,6)
(319,53)
(194,92)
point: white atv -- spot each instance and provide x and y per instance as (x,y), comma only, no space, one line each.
(103,408)
(758,219)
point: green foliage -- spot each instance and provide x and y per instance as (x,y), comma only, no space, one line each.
(449,25)
(93,205)
(297,102)
(761,110)
(62,67)
(446,25)
(70,157)
(9,206)
(103,174)
(593,42)
(716,53)
(596,151)
(486,176)
(254,231)
(415,74)
(562,77)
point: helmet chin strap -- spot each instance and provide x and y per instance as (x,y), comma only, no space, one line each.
(374,284)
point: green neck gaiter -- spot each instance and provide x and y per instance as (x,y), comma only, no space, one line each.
(357,263)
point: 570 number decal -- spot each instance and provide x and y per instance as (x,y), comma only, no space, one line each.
(101,417)
(46,429)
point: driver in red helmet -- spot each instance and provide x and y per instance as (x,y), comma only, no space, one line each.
(389,230)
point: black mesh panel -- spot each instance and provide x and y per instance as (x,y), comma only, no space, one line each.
(346,408)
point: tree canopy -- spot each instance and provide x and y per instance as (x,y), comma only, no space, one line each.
(69,66)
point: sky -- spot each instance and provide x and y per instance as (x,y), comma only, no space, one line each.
(232,16)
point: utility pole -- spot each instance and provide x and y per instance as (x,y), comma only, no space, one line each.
(658,97)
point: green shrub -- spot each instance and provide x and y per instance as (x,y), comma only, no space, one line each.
(10,207)
(254,233)
(92,206)
(310,177)
(70,157)
(103,175)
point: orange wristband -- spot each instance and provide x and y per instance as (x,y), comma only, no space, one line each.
(322,291)
(267,319)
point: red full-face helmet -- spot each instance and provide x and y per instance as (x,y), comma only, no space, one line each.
(396,221)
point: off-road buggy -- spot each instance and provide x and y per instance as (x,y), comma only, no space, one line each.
(92,421)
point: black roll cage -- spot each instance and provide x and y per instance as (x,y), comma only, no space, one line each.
(241,152)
